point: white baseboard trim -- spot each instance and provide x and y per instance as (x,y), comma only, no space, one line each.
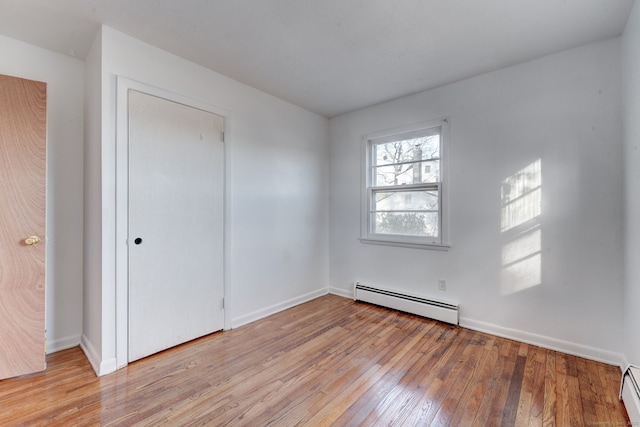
(100,367)
(63,343)
(585,351)
(341,292)
(268,311)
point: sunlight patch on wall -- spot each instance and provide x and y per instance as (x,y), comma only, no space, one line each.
(521,196)
(521,261)
(521,199)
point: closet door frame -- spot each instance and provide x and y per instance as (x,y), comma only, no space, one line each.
(124,85)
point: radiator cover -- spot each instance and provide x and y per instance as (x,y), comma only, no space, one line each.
(630,393)
(433,309)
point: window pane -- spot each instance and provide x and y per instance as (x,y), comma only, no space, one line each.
(406,223)
(424,148)
(406,200)
(413,173)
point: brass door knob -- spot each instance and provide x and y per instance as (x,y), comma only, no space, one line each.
(32,240)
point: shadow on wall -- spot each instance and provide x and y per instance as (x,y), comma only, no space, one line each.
(520,227)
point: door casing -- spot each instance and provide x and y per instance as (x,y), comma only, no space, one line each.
(122,205)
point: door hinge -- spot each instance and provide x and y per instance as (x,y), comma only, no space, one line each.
(223,137)
(223,303)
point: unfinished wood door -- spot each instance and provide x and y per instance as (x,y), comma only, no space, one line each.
(176,188)
(22,225)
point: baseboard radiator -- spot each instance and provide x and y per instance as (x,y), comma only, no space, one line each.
(401,301)
(630,393)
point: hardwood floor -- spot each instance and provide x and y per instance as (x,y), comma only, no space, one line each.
(330,361)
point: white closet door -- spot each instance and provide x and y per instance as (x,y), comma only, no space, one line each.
(176,205)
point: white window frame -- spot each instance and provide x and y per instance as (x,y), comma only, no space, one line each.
(366,233)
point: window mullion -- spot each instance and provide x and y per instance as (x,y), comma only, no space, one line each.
(408,187)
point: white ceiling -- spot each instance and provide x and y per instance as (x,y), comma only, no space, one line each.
(329,56)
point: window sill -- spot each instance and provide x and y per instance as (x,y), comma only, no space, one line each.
(427,246)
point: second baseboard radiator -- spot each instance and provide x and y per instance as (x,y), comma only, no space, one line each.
(433,309)
(630,393)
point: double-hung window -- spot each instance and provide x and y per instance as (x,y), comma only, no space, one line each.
(404,195)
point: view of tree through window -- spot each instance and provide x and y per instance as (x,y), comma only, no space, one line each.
(405,184)
(411,161)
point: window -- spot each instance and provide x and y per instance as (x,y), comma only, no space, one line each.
(403,199)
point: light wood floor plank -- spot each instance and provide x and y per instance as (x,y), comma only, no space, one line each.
(330,361)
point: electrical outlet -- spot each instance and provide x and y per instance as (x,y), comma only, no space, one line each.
(442,284)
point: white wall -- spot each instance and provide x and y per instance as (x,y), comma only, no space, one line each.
(64,182)
(562,110)
(276,189)
(631,82)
